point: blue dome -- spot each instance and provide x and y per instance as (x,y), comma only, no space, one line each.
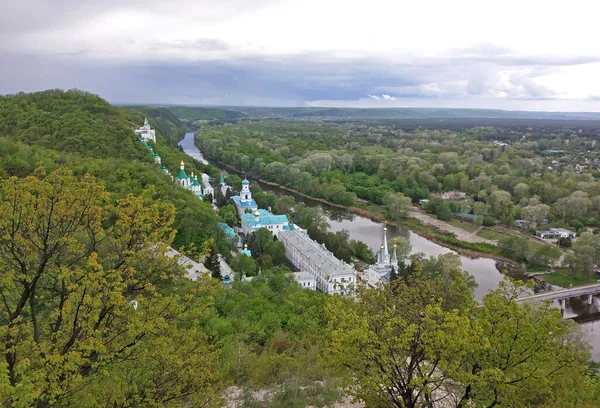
(245,182)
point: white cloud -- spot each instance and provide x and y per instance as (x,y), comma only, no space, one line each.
(457,51)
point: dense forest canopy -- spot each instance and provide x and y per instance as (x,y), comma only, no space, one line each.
(83,132)
(93,313)
(507,174)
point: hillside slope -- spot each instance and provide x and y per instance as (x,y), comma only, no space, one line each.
(192,114)
(85,133)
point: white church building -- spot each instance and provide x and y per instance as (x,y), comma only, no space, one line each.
(189,182)
(244,201)
(145,133)
(380,272)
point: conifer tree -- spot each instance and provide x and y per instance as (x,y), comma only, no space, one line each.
(212,264)
(393,274)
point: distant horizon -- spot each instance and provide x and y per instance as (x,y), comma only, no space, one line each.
(267,53)
(166,105)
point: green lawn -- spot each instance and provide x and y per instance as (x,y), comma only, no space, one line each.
(563,277)
(537,268)
(490,234)
(467,226)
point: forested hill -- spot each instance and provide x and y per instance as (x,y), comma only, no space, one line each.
(169,128)
(86,134)
(329,113)
(200,113)
(72,121)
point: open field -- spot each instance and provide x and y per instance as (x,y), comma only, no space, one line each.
(564,278)
(467,226)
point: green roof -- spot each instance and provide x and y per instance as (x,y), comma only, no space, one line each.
(182,175)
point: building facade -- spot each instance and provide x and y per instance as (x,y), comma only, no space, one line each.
(306,280)
(189,182)
(244,201)
(206,187)
(145,133)
(264,219)
(380,271)
(332,275)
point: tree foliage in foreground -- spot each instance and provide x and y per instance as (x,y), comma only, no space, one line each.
(404,348)
(88,297)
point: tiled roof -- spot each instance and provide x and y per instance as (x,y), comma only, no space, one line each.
(244,204)
(227,229)
(265,218)
(182,174)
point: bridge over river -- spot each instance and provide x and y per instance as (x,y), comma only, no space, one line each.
(563,294)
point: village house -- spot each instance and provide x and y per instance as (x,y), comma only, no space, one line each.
(450,195)
(556,233)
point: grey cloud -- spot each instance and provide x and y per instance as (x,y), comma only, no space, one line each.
(198,44)
(20,16)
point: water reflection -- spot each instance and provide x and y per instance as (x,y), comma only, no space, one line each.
(370,232)
(483,269)
(190,148)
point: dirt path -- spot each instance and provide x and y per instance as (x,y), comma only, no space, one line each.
(444,226)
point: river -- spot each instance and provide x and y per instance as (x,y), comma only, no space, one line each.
(370,232)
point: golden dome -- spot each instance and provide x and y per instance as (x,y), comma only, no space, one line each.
(382,247)
(181,164)
(256,213)
(395,245)
(245,246)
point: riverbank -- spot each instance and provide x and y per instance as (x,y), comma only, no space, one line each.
(376,213)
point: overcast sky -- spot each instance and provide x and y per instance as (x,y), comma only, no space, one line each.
(525,54)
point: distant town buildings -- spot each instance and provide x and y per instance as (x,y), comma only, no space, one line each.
(450,195)
(556,233)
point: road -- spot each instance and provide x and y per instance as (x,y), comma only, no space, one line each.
(459,233)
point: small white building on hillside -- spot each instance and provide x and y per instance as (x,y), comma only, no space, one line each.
(206,187)
(306,280)
(194,269)
(145,133)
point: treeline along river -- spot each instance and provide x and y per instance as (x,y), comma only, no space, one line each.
(370,232)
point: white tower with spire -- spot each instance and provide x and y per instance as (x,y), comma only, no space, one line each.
(245,194)
(385,263)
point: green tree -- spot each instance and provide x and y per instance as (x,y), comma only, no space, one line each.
(284,204)
(229,214)
(499,354)
(443,212)
(546,255)
(213,264)
(244,265)
(395,354)
(522,352)
(72,262)
(398,205)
